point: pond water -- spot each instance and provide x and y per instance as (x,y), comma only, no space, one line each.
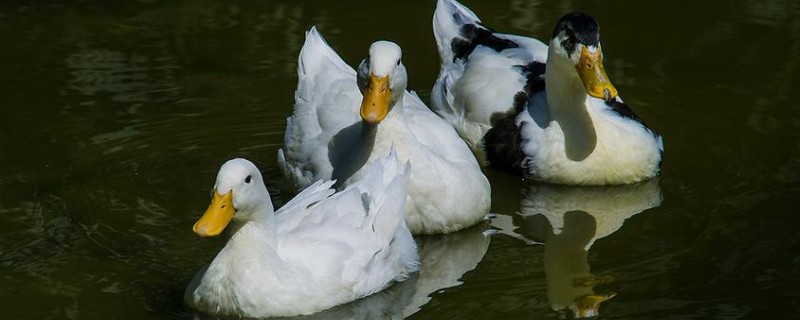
(117,115)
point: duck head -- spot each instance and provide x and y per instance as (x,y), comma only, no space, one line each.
(239,194)
(576,46)
(382,80)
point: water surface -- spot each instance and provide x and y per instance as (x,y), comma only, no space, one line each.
(116,117)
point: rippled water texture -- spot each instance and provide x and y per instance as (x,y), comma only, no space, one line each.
(116,117)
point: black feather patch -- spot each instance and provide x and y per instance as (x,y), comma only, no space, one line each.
(534,77)
(474,36)
(623,110)
(503,142)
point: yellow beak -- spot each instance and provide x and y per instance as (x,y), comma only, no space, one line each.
(591,71)
(589,305)
(217,216)
(375,104)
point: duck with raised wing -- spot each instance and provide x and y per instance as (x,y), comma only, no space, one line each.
(549,113)
(319,250)
(345,119)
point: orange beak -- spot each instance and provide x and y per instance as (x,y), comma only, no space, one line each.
(593,75)
(217,216)
(375,105)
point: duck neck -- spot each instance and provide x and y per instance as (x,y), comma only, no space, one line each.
(567,105)
(396,110)
(262,218)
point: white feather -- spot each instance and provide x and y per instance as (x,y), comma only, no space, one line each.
(323,101)
(470,92)
(446,190)
(318,251)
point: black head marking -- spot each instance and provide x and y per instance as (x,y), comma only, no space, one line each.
(577,28)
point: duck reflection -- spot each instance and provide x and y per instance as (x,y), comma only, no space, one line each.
(569,220)
(570,284)
(444,260)
(387,304)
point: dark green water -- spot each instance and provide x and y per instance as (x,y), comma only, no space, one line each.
(116,117)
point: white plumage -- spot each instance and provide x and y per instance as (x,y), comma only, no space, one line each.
(544,123)
(319,250)
(326,138)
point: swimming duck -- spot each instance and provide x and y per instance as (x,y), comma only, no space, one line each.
(549,113)
(345,119)
(317,251)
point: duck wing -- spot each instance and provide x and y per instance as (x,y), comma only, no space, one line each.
(326,101)
(355,235)
(481,72)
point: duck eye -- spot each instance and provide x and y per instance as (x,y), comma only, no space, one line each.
(247,180)
(398,62)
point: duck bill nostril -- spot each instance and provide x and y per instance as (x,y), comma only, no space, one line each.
(375,104)
(593,75)
(217,216)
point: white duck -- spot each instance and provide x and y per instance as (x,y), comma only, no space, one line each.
(548,113)
(330,137)
(317,251)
